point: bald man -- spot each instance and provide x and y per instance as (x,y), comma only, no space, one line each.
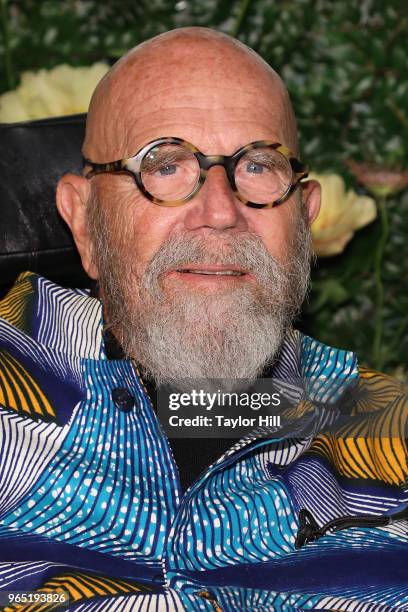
(192,216)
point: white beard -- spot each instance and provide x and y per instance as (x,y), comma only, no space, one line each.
(206,337)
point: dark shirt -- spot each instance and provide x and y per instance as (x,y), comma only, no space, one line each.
(192,455)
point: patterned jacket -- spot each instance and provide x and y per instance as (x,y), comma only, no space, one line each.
(90,499)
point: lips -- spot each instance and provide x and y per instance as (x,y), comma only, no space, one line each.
(212,272)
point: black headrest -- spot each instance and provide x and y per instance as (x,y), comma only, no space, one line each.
(33,156)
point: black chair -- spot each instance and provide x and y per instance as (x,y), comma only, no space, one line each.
(33,236)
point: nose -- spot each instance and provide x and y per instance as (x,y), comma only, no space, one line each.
(216,206)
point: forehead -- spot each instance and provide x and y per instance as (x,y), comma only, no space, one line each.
(218,104)
(209,117)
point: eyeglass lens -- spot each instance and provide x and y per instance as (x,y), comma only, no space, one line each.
(171,172)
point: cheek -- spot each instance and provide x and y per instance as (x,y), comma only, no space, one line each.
(142,227)
(275,227)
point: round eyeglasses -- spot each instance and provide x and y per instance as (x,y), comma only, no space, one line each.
(170,171)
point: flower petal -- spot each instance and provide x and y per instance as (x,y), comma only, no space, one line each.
(63,90)
(340,215)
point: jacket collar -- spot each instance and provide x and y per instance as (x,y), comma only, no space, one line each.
(65,320)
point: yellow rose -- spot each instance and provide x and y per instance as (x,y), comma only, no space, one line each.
(341,213)
(63,90)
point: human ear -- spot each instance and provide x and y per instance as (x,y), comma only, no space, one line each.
(311,195)
(73,193)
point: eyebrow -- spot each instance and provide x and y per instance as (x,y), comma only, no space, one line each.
(272,157)
(153,160)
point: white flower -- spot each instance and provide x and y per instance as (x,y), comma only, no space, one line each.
(63,90)
(341,213)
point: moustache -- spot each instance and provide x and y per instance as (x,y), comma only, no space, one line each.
(245,250)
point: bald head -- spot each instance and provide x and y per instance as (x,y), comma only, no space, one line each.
(189,74)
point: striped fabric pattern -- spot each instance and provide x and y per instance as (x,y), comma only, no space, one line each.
(90,498)
(106,447)
(15,306)
(27,447)
(79,321)
(19,391)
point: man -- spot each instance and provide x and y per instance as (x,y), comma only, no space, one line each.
(200,249)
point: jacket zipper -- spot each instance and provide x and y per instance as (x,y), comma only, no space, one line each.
(309,530)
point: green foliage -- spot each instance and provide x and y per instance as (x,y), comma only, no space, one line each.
(346,68)
(340,310)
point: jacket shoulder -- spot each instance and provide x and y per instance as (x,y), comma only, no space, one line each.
(379,391)
(17,306)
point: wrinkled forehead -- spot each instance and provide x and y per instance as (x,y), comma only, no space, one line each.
(192,89)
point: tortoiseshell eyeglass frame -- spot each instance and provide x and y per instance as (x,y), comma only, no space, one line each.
(131,165)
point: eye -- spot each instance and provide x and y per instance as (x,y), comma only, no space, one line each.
(254,168)
(167,169)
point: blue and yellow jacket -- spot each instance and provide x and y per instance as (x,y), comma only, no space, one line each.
(90,498)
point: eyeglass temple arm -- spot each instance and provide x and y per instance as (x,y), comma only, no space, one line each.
(299,168)
(96,168)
